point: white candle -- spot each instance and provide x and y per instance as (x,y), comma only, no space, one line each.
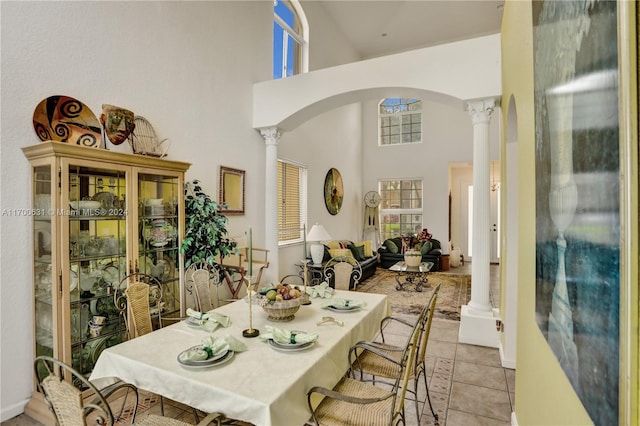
(304,236)
(250,256)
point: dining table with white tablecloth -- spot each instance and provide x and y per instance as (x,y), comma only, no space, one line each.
(260,385)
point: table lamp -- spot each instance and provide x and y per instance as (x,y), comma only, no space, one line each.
(317,234)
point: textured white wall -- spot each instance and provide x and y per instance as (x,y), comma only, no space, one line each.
(188,67)
(330,139)
(447,138)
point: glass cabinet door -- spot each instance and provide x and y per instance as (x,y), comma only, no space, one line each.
(158,250)
(97,260)
(45,279)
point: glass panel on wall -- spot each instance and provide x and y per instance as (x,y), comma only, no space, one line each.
(97,261)
(158,239)
(44,273)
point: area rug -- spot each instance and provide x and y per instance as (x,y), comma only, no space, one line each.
(455,291)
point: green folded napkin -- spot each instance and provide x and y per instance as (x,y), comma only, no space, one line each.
(214,346)
(346,303)
(284,336)
(210,320)
(321,290)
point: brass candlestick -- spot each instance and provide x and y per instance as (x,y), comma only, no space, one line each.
(250,332)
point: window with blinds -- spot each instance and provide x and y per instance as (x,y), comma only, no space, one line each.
(292,201)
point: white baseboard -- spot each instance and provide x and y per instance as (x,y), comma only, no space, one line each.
(506,362)
(514,421)
(13,410)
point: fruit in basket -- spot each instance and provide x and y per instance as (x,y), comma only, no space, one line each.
(271,295)
(280,292)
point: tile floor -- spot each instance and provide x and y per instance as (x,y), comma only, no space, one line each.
(467,384)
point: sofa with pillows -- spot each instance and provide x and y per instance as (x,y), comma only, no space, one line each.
(391,252)
(361,251)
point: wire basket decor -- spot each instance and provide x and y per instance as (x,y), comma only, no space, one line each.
(144,140)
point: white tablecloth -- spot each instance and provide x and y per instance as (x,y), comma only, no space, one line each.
(261,385)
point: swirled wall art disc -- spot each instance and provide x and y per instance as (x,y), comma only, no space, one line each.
(65,119)
(333,191)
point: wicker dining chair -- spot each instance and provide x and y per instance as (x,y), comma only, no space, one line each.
(56,380)
(201,279)
(340,271)
(137,310)
(381,360)
(356,403)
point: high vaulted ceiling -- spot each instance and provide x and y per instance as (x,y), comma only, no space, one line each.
(377,28)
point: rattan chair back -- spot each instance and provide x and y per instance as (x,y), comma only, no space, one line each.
(60,384)
(55,380)
(201,278)
(141,292)
(379,360)
(352,402)
(139,313)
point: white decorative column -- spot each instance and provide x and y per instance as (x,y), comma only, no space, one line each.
(563,201)
(477,322)
(271,137)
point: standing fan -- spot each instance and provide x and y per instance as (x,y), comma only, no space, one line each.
(144,140)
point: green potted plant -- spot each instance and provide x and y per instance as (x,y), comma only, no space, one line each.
(206,234)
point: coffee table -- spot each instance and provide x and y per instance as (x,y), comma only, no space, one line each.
(412,275)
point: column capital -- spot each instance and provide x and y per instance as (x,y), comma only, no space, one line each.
(481,110)
(271,135)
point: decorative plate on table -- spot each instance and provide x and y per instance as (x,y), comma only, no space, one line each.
(215,360)
(339,308)
(67,120)
(289,347)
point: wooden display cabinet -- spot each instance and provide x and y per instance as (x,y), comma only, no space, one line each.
(97,216)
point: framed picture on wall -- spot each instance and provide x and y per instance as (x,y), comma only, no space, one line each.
(578,195)
(231,193)
(333,191)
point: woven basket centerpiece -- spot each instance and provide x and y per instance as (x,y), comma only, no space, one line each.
(281,311)
(412,257)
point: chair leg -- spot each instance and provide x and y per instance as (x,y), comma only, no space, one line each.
(426,386)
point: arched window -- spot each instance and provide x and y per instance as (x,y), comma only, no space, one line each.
(290,34)
(400,121)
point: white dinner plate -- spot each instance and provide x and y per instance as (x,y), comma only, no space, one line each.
(295,347)
(193,322)
(111,275)
(210,362)
(289,345)
(343,308)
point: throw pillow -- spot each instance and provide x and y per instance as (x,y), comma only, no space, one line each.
(333,244)
(346,253)
(393,248)
(357,251)
(426,247)
(368,251)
